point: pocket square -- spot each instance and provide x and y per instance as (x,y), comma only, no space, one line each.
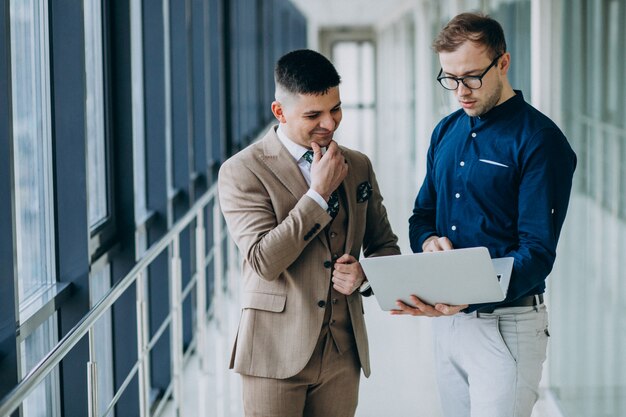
(363,192)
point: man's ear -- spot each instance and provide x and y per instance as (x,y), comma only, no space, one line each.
(277,109)
(505,63)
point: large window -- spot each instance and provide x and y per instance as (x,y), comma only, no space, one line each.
(95,114)
(31,147)
(587,366)
(42,402)
(32,164)
(355,63)
(98,177)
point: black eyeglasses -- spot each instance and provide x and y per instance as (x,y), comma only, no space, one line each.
(473,82)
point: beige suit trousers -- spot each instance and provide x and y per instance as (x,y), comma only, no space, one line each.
(328,386)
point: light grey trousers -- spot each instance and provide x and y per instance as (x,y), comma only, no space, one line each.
(489,365)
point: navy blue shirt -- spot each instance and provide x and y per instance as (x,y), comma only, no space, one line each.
(501,180)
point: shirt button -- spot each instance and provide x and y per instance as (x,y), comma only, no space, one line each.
(462,163)
(457,195)
(321,303)
(473,134)
(333,234)
(453,228)
(332,321)
(334,301)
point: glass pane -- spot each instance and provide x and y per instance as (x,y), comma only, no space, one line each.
(357,130)
(514,16)
(96,148)
(355,63)
(614,68)
(32,158)
(587,364)
(42,401)
(31,146)
(99,285)
(622,178)
(367,66)
(345,59)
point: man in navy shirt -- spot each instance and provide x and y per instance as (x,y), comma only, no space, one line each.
(499,175)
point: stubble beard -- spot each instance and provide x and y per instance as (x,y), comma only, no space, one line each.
(489,102)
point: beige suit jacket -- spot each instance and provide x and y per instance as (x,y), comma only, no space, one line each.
(280,233)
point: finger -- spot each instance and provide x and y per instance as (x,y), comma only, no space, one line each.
(349,282)
(345,268)
(339,281)
(343,290)
(397,312)
(445,243)
(427,309)
(444,308)
(432,246)
(346,258)
(317,151)
(402,313)
(419,303)
(407,309)
(448,309)
(345,280)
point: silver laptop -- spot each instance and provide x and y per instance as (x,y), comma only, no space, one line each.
(454,277)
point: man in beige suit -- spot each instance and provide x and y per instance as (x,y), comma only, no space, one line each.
(300,209)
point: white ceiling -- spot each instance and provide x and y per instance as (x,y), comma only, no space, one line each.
(347,12)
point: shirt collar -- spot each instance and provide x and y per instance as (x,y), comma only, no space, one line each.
(293,148)
(508,107)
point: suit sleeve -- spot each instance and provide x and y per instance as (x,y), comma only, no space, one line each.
(269,246)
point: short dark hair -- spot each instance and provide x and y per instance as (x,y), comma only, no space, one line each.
(476,27)
(304,71)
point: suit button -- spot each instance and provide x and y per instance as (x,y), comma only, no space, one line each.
(321,303)
(332,322)
(317,226)
(328,264)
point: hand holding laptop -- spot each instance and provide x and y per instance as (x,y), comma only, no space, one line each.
(435,244)
(437,283)
(432,244)
(423,309)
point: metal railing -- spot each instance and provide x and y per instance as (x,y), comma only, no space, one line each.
(177,295)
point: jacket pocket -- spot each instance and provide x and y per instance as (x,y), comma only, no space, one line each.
(263,301)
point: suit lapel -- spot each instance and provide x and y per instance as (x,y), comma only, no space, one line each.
(284,167)
(349,188)
(281,163)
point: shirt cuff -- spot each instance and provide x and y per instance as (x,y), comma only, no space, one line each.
(317,198)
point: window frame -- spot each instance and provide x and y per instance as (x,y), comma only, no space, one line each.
(103,236)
